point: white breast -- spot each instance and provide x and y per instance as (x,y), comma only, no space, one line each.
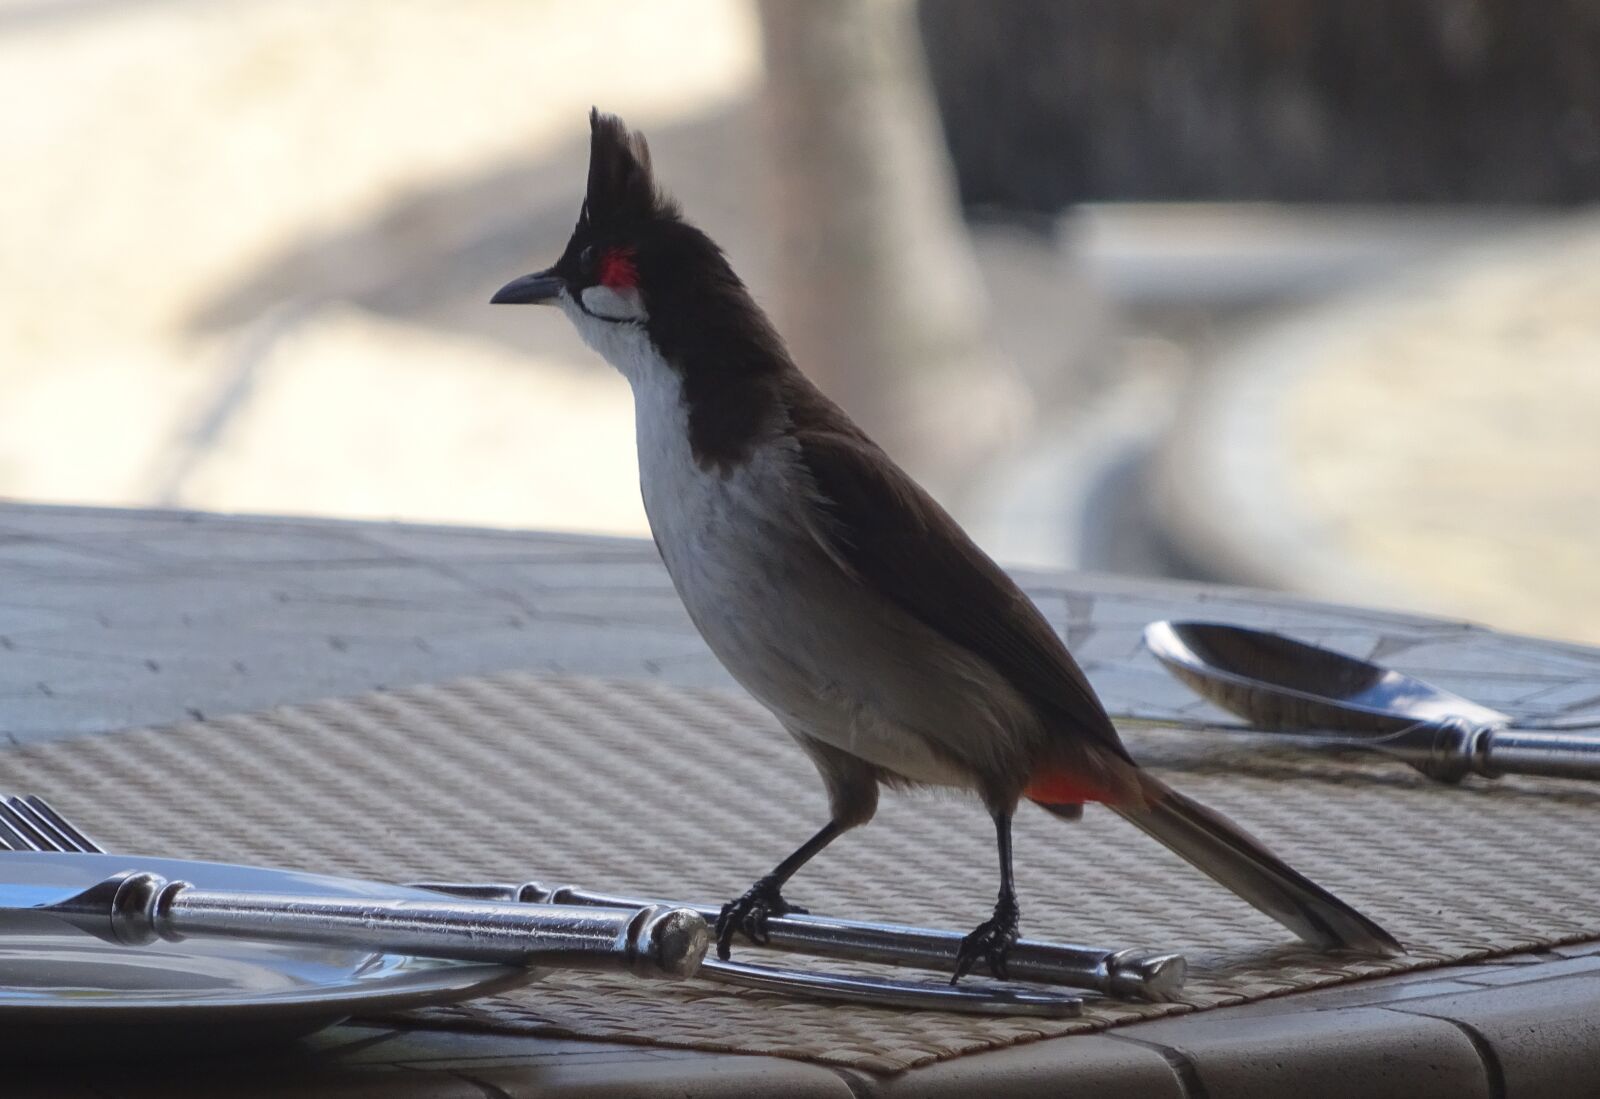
(726,536)
(790,627)
(712,526)
(797,633)
(721,534)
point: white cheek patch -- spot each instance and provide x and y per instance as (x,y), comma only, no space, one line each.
(625,346)
(614,305)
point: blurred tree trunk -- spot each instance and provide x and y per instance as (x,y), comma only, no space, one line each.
(881,299)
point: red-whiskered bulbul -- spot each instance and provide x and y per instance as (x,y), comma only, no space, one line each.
(837,592)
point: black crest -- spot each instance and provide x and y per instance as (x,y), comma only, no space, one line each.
(701,318)
(622,189)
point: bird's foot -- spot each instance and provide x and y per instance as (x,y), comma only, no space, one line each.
(990,941)
(750,912)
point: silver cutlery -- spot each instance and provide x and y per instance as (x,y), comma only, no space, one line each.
(136,907)
(881,992)
(29,823)
(1124,974)
(1326,698)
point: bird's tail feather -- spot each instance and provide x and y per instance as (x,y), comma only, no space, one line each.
(1214,844)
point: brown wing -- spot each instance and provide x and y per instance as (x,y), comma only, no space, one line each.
(882,528)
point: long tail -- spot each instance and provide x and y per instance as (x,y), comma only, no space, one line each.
(1216,845)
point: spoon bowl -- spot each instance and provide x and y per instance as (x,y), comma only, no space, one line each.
(1276,682)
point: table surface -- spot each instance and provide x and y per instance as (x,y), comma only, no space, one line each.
(113,619)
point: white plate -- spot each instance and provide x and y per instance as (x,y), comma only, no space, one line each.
(63,989)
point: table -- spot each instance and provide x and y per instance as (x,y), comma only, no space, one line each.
(111,619)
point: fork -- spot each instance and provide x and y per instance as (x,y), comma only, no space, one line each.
(29,823)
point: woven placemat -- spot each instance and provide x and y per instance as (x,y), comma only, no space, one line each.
(654,790)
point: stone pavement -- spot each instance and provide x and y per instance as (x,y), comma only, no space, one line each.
(113,618)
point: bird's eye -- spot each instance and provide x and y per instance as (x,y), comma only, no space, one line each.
(586,258)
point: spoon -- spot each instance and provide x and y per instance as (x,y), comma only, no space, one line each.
(1279,684)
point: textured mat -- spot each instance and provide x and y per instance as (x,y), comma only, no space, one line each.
(638,787)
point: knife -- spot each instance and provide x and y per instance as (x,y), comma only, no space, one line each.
(1123,974)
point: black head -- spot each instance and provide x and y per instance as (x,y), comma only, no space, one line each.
(623,214)
(635,274)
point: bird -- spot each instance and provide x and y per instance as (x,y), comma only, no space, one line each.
(839,594)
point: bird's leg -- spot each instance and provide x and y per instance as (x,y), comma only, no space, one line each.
(750,912)
(993,939)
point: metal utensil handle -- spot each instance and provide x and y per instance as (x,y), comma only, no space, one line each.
(1511,751)
(648,941)
(1124,974)
(871,990)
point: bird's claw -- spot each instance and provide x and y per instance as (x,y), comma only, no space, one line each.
(749,913)
(991,941)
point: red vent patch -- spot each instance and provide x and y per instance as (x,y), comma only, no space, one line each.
(617,269)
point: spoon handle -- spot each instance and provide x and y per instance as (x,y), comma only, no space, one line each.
(1509,751)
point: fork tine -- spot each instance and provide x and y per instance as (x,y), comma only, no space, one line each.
(26,834)
(53,836)
(45,835)
(69,834)
(11,839)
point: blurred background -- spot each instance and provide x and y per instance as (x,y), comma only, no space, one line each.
(1291,293)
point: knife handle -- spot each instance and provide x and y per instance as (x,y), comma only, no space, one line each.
(1509,751)
(1124,974)
(650,941)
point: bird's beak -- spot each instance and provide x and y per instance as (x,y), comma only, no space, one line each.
(541,286)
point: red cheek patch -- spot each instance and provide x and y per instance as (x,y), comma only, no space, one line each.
(617,269)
